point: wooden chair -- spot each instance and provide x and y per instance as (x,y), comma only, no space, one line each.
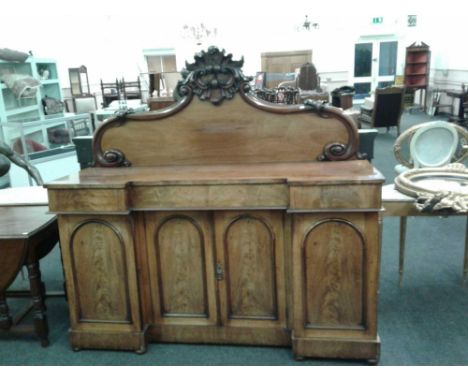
(110,92)
(131,90)
(84,104)
(27,233)
(307,83)
(387,108)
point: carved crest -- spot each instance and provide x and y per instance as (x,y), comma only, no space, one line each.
(214,76)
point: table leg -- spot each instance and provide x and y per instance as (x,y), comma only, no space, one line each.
(465,262)
(402,247)
(5,318)
(40,318)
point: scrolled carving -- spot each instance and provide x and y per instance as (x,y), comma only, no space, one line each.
(113,158)
(333,152)
(214,76)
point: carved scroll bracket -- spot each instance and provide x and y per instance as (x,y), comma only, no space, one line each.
(336,151)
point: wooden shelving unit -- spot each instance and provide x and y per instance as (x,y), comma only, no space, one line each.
(417,68)
(29,110)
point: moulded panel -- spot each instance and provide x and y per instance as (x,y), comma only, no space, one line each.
(333,256)
(100,273)
(181,268)
(250,261)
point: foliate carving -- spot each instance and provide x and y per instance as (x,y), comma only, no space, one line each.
(444,188)
(214,76)
(441,201)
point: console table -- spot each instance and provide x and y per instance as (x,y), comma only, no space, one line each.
(224,219)
(400,205)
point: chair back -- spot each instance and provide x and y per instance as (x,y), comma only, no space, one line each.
(308,78)
(388,106)
(85,104)
(432,144)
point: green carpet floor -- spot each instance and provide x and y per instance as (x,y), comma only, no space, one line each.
(425,322)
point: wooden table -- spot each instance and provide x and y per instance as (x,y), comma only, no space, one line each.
(397,204)
(27,233)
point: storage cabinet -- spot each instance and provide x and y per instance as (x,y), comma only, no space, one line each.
(28,109)
(335,284)
(101,279)
(224,219)
(24,124)
(219,268)
(417,67)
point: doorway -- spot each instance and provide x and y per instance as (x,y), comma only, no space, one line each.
(375,64)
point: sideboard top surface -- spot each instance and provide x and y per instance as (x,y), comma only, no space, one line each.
(346,172)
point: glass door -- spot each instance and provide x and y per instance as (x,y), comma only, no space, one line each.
(374,66)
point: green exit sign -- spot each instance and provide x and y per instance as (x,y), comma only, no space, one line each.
(377,20)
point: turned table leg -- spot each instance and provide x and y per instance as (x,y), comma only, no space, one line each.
(37,293)
(5,318)
(402,247)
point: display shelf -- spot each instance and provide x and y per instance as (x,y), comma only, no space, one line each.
(47,133)
(51,89)
(417,62)
(8,67)
(13,109)
(22,110)
(415,69)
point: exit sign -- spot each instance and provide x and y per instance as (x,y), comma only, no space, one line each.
(377,20)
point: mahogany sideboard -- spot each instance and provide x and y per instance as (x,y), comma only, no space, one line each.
(224,219)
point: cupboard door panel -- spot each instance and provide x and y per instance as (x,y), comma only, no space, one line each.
(333,255)
(335,275)
(250,256)
(181,263)
(251,281)
(96,245)
(100,272)
(181,267)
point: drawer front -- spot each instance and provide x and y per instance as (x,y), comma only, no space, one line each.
(88,200)
(217,196)
(331,197)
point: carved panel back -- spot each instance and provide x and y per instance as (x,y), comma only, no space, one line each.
(224,124)
(232,133)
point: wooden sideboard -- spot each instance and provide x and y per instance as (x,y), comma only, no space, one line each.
(224,219)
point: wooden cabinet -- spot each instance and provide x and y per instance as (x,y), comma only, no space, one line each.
(417,68)
(220,269)
(101,277)
(182,268)
(335,284)
(224,219)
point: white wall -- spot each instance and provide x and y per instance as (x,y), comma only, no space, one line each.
(109,36)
